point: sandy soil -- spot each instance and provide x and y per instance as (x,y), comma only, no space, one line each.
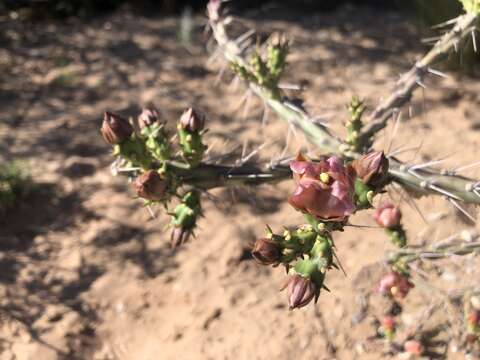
(87,274)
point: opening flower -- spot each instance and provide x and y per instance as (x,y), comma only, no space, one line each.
(324,189)
(395,285)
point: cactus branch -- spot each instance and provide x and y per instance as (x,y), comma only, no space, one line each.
(458,245)
(208,176)
(413,79)
(422,181)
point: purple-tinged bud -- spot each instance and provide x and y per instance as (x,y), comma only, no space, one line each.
(300,291)
(192,121)
(147,117)
(150,186)
(372,168)
(115,129)
(266,251)
(179,236)
(387,215)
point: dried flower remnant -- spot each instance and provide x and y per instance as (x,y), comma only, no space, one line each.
(324,189)
(372,168)
(150,186)
(115,129)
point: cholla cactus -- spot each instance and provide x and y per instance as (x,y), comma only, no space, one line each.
(345,178)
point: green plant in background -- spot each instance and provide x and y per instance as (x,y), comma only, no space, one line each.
(14,184)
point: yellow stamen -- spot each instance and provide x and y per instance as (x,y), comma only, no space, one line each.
(324,177)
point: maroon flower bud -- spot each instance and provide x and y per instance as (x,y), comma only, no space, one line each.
(150,186)
(372,168)
(191,120)
(179,236)
(413,347)
(266,251)
(387,215)
(300,291)
(115,129)
(147,117)
(395,285)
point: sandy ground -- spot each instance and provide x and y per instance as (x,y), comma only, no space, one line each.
(87,274)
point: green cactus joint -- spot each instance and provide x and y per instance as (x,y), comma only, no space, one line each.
(186,213)
(265,73)
(157,142)
(354,124)
(191,146)
(397,236)
(363,195)
(134,151)
(277,52)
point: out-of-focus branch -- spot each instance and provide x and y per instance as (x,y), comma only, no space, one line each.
(420,180)
(455,246)
(413,79)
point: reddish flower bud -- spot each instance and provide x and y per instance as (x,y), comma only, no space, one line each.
(266,251)
(472,338)
(115,129)
(413,347)
(324,189)
(300,291)
(372,168)
(150,186)
(387,215)
(192,121)
(179,236)
(147,117)
(388,323)
(395,285)
(473,318)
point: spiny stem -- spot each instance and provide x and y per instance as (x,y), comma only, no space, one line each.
(454,247)
(422,181)
(211,176)
(413,79)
